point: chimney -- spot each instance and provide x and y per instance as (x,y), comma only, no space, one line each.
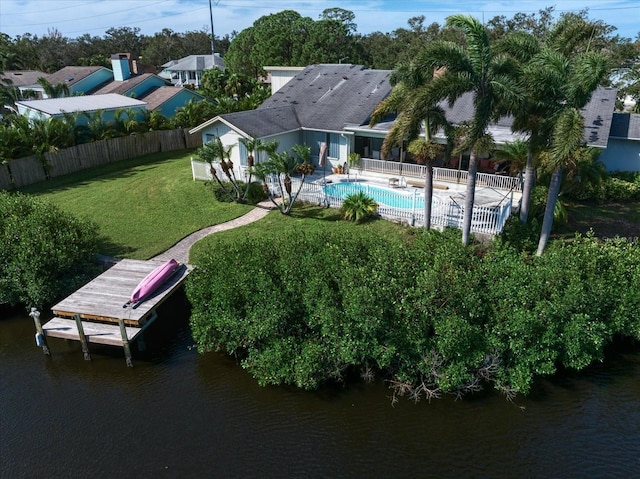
(120,64)
(200,63)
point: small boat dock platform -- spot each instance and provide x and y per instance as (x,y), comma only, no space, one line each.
(95,313)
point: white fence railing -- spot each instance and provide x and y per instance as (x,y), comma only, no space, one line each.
(441,175)
(444,213)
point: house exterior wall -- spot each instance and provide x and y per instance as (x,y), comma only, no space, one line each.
(31,114)
(228,137)
(91,81)
(169,107)
(280,79)
(142,87)
(621,155)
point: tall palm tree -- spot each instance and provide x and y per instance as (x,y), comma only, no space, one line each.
(559,80)
(531,112)
(574,80)
(411,99)
(473,67)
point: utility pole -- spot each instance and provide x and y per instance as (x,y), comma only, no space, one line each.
(213,52)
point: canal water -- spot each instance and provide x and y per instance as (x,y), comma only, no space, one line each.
(179,414)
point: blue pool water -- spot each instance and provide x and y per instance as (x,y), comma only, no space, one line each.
(380,195)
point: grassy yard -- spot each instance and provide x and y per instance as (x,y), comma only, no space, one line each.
(307,218)
(606,220)
(142,206)
(145,205)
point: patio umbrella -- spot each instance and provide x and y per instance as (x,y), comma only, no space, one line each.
(322,157)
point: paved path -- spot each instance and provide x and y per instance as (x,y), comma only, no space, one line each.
(180,251)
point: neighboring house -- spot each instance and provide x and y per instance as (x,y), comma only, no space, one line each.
(332,104)
(107,104)
(23,80)
(189,70)
(79,80)
(623,149)
(280,76)
(99,87)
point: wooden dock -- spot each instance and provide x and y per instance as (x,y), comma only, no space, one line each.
(95,312)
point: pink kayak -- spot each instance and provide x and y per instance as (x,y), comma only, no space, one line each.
(153,281)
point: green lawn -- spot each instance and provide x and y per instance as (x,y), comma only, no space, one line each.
(142,206)
(305,217)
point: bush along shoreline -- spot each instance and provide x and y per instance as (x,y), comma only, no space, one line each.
(424,313)
(46,253)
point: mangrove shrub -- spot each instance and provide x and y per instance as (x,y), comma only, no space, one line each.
(424,312)
(45,252)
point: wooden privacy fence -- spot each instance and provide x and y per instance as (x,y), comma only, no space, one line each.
(27,171)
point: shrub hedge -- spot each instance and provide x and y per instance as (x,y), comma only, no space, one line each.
(425,313)
(45,252)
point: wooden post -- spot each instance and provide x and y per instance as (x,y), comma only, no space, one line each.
(41,339)
(83,338)
(125,343)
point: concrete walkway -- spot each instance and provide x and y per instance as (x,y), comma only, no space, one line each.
(180,251)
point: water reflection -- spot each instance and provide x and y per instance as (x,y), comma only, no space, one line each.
(180,414)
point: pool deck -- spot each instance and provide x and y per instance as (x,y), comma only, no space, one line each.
(484,196)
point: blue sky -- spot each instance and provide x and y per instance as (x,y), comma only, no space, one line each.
(76,17)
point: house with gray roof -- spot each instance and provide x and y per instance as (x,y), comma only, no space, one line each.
(333,103)
(623,149)
(189,70)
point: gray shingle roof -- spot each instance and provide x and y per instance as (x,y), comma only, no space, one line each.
(597,115)
(264,122)
(120,87)
(194,63)
(22,77)
(626,125)
(330,97)
(342,97)
(71,75)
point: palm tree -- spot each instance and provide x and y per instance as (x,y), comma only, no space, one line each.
(253,146)
(410,98)
(514,154)
(567,79)
(282,165)
(473,67)
(213,151)
(58,90)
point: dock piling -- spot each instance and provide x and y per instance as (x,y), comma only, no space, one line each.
(83,338)
(125,343)
(41,339)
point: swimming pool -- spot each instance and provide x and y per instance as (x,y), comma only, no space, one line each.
(382,196)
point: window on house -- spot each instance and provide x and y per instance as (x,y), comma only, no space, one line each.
(243,154)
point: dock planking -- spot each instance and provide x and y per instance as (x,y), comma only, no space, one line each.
(98,333)
(95,312)
(102,299)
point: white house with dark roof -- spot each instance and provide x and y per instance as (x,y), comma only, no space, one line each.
(333,103)
(189,70)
